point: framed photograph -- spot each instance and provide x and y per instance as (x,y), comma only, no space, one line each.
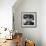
(29,19)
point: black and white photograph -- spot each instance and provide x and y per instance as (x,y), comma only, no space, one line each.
(29,19)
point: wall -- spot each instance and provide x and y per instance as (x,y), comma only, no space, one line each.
(6,13)
(35,34)
(43,22)
(6,16)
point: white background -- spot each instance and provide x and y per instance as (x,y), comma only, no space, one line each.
(6,19)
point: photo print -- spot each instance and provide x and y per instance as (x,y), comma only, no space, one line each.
(29,19)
